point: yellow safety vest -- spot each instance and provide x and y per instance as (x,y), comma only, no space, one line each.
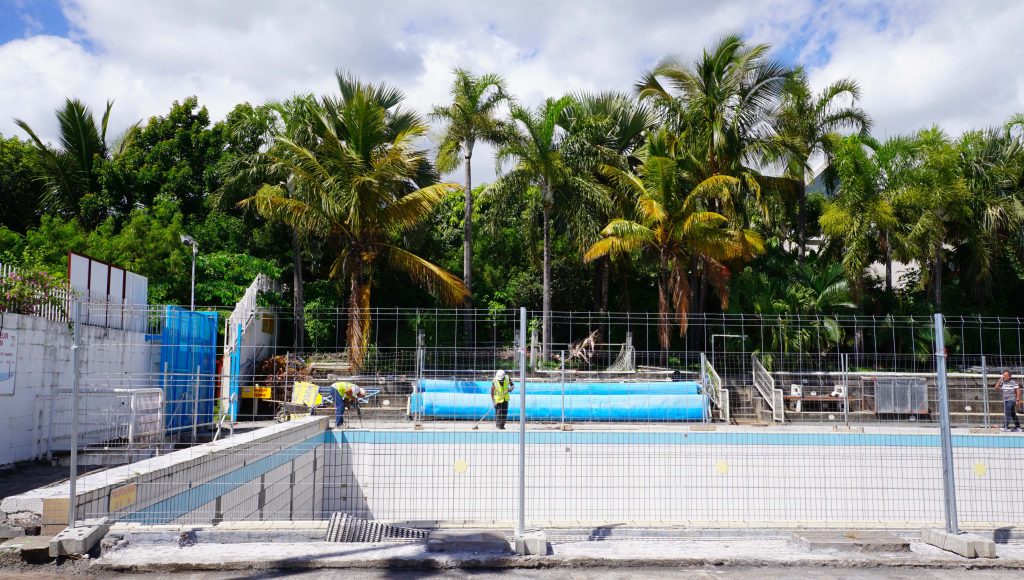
(501,390)
(345,390)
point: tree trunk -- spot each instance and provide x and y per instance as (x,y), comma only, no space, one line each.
(298,300)
(663,302)
(801,228)
(605,264)
(546,311)
(359,311)
(888,263)
(467,240)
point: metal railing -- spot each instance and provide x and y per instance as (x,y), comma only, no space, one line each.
(765,384)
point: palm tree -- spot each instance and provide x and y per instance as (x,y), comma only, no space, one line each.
(358,185)
(605,128)
(241,175)
(69,172)
(674,224)
(724,104)
(471,117)
(861,218)
(806,128)
(535,148)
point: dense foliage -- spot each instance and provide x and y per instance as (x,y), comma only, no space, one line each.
(722,183)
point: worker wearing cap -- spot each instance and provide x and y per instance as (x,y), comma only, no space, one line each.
(501,388)
(346,394)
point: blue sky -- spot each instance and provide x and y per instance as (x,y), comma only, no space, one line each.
(919,62)
(24,18)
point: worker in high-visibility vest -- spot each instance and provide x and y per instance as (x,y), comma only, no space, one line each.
(501,388)
(345,394)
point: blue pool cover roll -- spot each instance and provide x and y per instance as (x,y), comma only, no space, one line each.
(574,388)
(581,402)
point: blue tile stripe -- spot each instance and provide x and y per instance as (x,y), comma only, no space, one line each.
(174,507)
(675,438)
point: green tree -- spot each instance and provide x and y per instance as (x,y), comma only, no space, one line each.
(807,126)
(605,128)
(471,117)
(861,220)
(535,151)
(70,172)
(20,189)
(674,224)
(724,104)
(357,186)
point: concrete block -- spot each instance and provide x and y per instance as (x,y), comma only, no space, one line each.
(532,543)
(35,549)
(467,541)
(966,545)
(8,532)
(80,540)
(858,541)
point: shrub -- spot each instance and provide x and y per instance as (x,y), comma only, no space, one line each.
(30,291)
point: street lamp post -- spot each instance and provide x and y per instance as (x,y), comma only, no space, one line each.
(188,241)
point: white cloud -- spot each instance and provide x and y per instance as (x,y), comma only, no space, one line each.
(918,62)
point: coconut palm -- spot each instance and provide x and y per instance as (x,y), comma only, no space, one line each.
(807,124)
(471,117)
(675,226)
(724,104)
(861,220)
(605,128)
(243,174)
(69,171)
(358,185)
(535,150)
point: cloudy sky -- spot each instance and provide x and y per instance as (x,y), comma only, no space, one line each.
(956,63)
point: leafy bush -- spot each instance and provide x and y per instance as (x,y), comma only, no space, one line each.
(29,291)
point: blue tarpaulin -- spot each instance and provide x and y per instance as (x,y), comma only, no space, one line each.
(188,358)
(652,401)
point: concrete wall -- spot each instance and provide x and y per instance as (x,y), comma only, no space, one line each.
(270,473)
(707,479)
(44,367)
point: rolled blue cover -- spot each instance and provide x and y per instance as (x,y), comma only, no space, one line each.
(577,407)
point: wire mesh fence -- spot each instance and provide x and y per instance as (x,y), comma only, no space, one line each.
(730,421)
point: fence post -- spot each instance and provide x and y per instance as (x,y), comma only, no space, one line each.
(845,358)
(521,523)
(562,358)
(948,479)
(195,406)
(76,338)
(420,361)
(984,390)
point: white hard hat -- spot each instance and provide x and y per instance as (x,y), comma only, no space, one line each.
(362,392)
(500,375)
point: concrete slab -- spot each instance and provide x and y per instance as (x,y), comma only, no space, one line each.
(532,543)
(966,545)
(33,549)
(851,541)
(79,541)
(8,532)
(476,541)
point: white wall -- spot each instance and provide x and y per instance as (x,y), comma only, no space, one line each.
(44,367)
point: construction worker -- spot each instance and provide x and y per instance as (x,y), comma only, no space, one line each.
(345,394)
(501,388)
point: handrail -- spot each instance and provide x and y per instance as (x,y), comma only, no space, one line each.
(765,384)
(714,388)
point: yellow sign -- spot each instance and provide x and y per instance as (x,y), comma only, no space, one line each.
(122,497)
(256,392)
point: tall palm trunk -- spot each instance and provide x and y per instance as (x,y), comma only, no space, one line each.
(298,299)
(605,264)
(663,301)
(888,262)
(545,338)
(359,311)
(801,228)
(467,239)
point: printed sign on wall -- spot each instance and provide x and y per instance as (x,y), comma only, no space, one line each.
(8,360)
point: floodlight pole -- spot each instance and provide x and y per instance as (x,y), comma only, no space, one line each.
(189,241)
(521,524)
